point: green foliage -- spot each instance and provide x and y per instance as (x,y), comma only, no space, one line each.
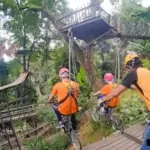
(46,114)
(145,14)
(30,91)
(146,63)
(84,95)
(132,109)
(141,46)
(108,66)
(84,86)
(37,143)
(101,127)
(14,69)
(60,56)
(1,148)
(59,142)
(129,8)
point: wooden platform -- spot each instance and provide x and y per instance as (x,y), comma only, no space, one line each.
(130,140)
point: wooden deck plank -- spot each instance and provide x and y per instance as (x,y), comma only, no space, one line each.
(119,141)
(104,142)
(127,144)
(133,147)
(113,145)
(135,130)
(137,148)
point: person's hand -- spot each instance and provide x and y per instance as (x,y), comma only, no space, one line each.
(133,87)
(93,94)
(100,101)
(50,102)
(79,108)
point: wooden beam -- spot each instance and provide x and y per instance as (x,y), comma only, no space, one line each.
(134,37)
(124,36)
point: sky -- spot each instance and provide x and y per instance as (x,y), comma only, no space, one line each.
(106,5)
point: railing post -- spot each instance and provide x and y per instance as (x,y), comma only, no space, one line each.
(13,129)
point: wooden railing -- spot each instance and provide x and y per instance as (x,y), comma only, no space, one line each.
(39,131)
(21,111)
(84,14)
(16,113)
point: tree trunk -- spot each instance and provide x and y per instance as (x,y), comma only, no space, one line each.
(86,61)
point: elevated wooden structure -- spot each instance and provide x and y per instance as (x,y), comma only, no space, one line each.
(92,22)
(86,24)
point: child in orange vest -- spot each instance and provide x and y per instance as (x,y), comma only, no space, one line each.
(105,90)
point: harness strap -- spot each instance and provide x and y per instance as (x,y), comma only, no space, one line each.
(69,94)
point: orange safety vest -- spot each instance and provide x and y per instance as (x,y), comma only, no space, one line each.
(116,100)
(143,85)
(108,89)
(68,105)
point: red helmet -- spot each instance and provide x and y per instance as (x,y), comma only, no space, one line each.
(108,77)
(62,71)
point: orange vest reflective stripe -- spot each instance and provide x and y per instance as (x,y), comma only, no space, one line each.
(143,85)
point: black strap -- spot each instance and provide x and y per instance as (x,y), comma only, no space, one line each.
(64,99)
(141,91)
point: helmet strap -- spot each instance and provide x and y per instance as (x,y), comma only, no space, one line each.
(128,67)
(133,62)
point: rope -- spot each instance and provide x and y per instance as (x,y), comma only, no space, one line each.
(74,66)
(117,61)
(70,35)
(72,60)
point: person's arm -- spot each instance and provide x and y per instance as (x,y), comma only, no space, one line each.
(96,93)
(103,91)
(114,93)
(133,87)
(50,99)
(53,93)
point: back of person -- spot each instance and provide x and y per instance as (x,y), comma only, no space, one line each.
(67,101)
(108,89)
(143,84)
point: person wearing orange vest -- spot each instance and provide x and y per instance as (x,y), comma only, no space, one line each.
(106,89)
(66,92)
(137,77)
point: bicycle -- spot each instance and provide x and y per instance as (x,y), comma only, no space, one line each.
(69,131)
(108,115)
